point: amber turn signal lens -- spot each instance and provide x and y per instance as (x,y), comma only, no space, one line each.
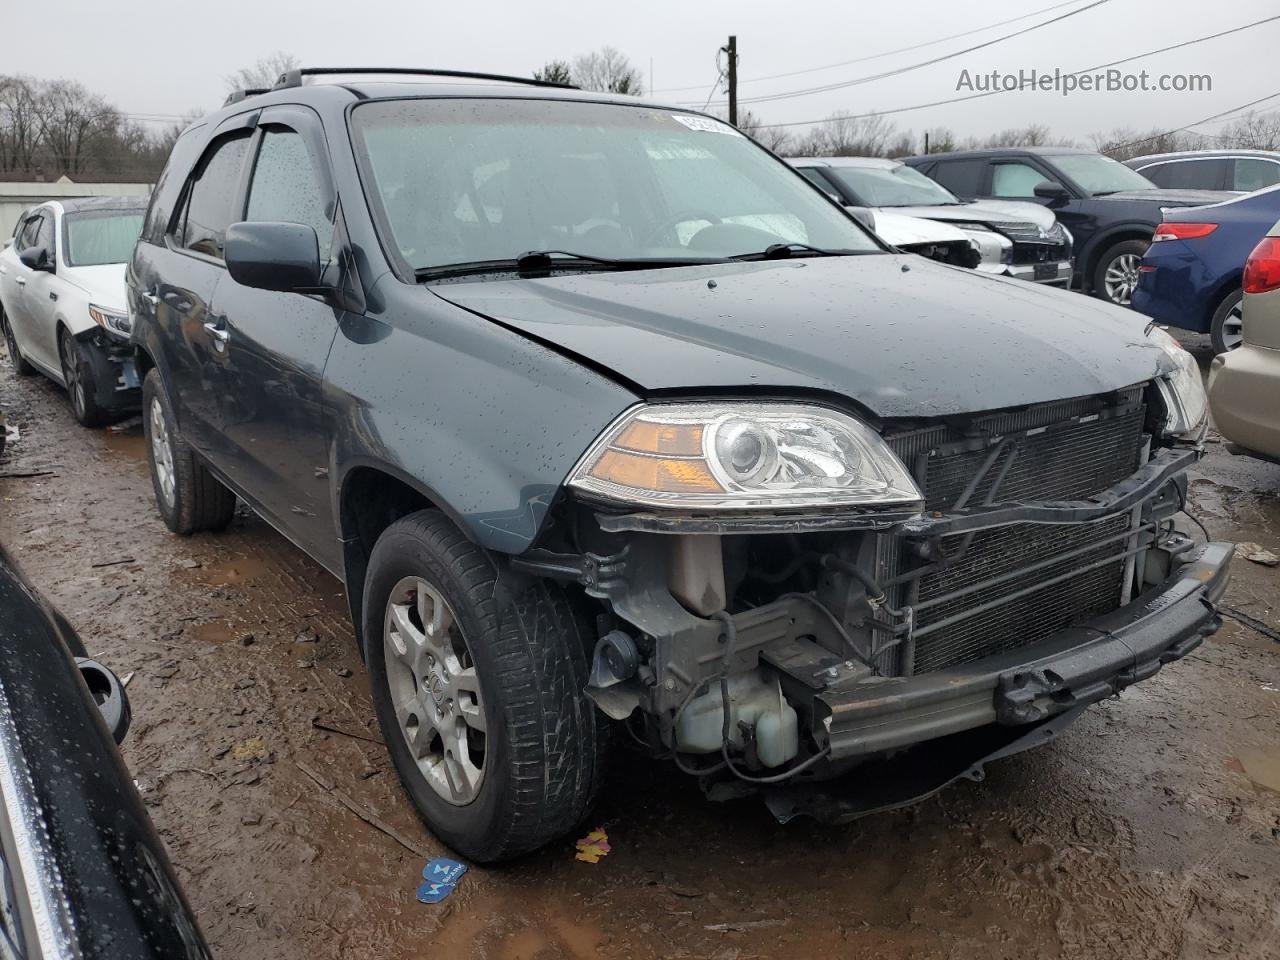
(663,439)
(655,473)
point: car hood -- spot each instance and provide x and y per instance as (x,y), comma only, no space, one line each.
(900,230)
(103,284)
(985,212)
(1171,198)
(902,336)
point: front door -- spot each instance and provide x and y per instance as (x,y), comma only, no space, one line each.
(192,267)
(273,420)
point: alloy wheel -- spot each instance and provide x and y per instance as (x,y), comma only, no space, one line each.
(1233,327)
(71,376)
(1121,278)
(435,690)
(162,454)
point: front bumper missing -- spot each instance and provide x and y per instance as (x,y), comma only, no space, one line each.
(1074,668)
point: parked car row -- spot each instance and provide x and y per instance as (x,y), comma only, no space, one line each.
(605,416)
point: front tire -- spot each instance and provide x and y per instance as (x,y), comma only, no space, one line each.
(1226,330)
(77,375)
(20,365)
(479,694)
(1116,275)
(189,497)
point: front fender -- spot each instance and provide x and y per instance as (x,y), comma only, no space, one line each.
(481,420)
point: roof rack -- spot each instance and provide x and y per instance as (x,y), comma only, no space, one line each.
(293,78)
(235,96)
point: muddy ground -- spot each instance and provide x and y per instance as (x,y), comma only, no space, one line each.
(1147,831)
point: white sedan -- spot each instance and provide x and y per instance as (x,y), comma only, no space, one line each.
(62,301)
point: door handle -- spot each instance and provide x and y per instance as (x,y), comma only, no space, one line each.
(53,296)
(22,281)
(219,336)
(151,300)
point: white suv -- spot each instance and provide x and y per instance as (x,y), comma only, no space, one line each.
(62,300)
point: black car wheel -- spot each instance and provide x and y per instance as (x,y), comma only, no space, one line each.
(189,497)
(479,693)
(1116,275)
(20,365)
(77,375)
(1227,327)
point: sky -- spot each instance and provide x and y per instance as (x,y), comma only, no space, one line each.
(156,59)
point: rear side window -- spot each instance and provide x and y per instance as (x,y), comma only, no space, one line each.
(961,177)
(1254,174)
(209,207)
(1209,174)
(285,187)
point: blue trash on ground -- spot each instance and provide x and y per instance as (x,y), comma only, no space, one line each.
(440,876)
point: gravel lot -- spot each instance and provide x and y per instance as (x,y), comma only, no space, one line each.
(1148,830)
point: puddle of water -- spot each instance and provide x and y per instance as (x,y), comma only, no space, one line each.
(1262,767)
(128,443)
(235,570)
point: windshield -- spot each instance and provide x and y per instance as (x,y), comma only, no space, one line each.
(1097,174)
(464,181)
(899,186)
(102,236)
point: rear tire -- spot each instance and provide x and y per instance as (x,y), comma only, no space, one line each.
(541,751)
(1226,330)
(20,366)
(189,497)
(77,373)
(1116,275)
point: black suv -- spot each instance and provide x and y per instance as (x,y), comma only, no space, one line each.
(606,418)
(1109,209)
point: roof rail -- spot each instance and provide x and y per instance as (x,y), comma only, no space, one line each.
(293,78)
(235,96)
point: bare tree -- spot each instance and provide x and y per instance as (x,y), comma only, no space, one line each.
(73,122)
(776,139)
(607,69)
(1124,143)
(263,74)
(904,145)
(19,126)
(1253,131)
(554,71)
(845,135)
(940,140)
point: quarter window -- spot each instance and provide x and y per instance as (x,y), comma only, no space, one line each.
(286,188)
(209,207)
(1254,174)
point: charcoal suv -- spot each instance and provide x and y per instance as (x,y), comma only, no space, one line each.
(607,419)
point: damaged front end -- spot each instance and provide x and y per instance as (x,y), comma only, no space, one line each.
(1022,565)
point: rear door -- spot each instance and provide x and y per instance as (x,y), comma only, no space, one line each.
(186,273)
(273,421)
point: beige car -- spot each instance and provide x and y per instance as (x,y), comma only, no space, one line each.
(1244,385)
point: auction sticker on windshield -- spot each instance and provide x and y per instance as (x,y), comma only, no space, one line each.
(705,124)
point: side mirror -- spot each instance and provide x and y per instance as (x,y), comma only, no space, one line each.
(864,215)
(36,258)
(273,256)
(1051,190)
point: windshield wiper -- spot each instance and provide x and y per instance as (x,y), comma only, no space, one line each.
(543,261)
(782,251)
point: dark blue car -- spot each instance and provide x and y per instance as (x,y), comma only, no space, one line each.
(1190,275)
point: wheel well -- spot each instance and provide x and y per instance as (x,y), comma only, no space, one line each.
(371,501)
(142,363)
(1106,243)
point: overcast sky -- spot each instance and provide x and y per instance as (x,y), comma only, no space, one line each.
(165,57)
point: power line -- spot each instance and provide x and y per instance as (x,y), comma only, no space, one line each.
(992,93)
(886,53)
(1216,116)
(897,71)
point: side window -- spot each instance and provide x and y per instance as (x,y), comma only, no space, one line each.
(1207,174)
(814,176)
(44,236)
(961,177)
(208,208)
(30,230)
(1015,180)
(286,188)
(1253,174)
(169,186)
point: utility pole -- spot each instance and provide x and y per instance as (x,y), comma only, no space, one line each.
(732,51)
(926,141)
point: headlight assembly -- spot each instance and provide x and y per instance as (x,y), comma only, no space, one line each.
(1182,389)
(743,455)
(111,320)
